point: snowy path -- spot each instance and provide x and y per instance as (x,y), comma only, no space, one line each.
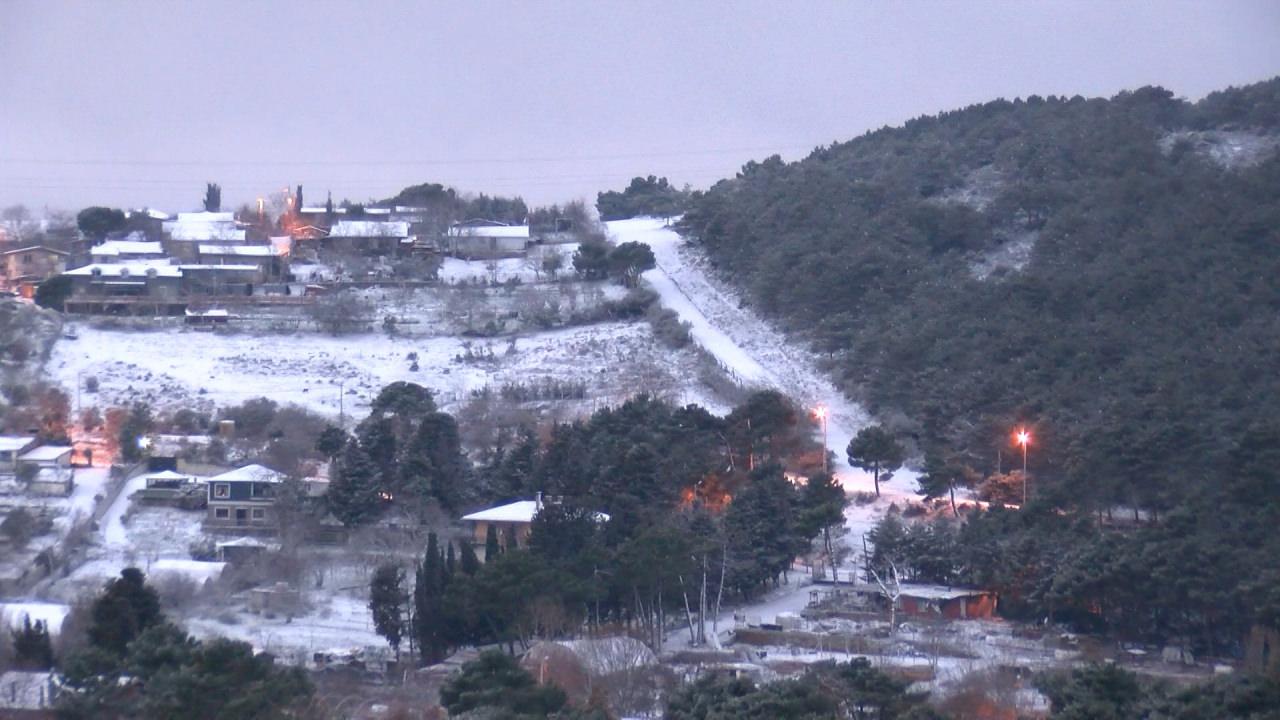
(748,345)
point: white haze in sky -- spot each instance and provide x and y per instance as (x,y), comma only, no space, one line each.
(131,103)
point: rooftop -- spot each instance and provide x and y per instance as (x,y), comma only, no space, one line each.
(127,247)
(9,443)
(137,268)
(30,248)
(494,231)
(520,511)
(245,250)
(250,473)
(46,452)
(369,228)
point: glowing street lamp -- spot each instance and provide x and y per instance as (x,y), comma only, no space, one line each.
(820,412)
(1023,438)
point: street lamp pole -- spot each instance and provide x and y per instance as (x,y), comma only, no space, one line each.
(1024,438)
(821,412)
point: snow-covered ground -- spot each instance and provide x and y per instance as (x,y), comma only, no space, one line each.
(526,269)
(173,367)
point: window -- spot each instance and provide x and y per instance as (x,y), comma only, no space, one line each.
(259,514)
(221,513)
(222,490)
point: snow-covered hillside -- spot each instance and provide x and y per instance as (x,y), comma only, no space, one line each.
(747,345)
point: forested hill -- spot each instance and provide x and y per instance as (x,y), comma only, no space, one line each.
(1106,271)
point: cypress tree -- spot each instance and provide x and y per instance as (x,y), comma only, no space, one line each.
(31,646)
(428,596)
(353,493)
(491,547)
(450,562)
(469,563)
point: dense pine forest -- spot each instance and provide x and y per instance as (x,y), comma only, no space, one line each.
(1103,271)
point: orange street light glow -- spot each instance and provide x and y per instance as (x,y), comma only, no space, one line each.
(1023,438)
(820,412)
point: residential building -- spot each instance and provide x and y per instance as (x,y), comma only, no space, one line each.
(185,233)
(156,279)
(52,472)
(11,447)
(270,263)
(243,498)
(484,239)
(26,267)
(369,237)
(512,521)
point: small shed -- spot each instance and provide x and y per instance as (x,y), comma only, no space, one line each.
(240,549)
(26,694)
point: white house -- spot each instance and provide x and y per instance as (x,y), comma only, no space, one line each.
(486,239)
(53,474)
(367,236)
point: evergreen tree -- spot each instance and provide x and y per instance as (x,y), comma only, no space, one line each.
(136,424)
(126,607)
(469,564)
(591,261)
(761,529)
(428,595)
(212,197)
(387,603)
(628,260)
(32,649)
(450,562)
(822,504)
(353,491)
(496,682)
(874,449)
(492,549)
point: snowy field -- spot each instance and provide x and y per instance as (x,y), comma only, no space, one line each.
(173,367)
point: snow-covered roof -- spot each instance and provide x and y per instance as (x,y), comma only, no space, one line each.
(518,511)
(926,592)
(250,473)
(137,268)
(197,570)
(9,443)
(221,268)
(369,228)
(490,231)
(127,247)
(321,209)
(45,453)
(204,226)
(31,248)
(168,475)
(377,211)
(152,213)
(242,542)
(245,250)
(217,312)
(205,217)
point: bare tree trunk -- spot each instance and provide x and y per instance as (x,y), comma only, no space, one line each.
(693,638)
(702,605)
(724,562)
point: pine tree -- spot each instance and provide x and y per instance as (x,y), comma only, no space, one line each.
(449,562)
(386,603)
(876,450)
(126,608)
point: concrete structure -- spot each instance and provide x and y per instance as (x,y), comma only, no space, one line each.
(268,259)
(185,233)
(114,251)
(25,694)
(52,472)
(937,601)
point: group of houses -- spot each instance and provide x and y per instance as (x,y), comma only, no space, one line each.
(164,264)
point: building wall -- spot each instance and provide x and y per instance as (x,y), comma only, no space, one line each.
(486,247)
(36,263)
(228,514)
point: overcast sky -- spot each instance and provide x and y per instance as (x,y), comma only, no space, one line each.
(132,104)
